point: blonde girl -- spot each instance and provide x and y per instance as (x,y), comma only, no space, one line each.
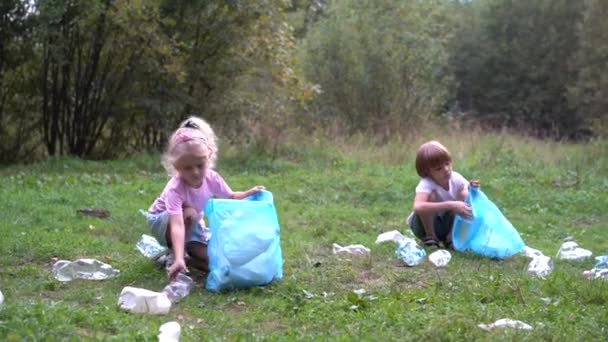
(175,216)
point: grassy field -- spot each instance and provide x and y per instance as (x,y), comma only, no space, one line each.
(342,192)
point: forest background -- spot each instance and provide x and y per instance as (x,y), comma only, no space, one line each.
(104,79)
(324,103)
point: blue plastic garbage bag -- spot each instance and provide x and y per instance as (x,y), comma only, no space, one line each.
(245,247)
(488,233)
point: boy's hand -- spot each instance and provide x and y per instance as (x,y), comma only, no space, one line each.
(474,183)
(462,209)
(178,266)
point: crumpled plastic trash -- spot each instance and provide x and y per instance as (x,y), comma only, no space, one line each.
(410,252)
(540,265)
(350,249)
(149,246)
(600,270)
(440,258)
(90,269)
(596,273)
(571,251)
(179,287)
(308,294)
(393,235)
(506,323)
(531,252)
(601,261)
(360,292)
(1,299)
(137,300)
(169,332)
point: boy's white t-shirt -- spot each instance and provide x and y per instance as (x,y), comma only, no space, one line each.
(428,186)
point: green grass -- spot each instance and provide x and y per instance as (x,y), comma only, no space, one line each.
(326,192)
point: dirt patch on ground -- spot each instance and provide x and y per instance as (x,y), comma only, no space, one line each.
(272,326)
(369,277)
(236,307)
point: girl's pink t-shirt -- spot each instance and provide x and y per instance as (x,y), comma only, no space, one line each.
(177,194)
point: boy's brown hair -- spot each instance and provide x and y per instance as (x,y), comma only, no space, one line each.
(431,154)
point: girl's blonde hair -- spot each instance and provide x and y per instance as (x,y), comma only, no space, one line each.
(186,140)
(202,125)
(431,154)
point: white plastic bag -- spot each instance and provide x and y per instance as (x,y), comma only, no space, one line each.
(571,251)
(169,332)
(440,258)
(541,266)
(393,235)
(350,249)
(137,300)
(506,323)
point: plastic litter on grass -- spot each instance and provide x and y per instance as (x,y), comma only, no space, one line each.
(506,323)
(600,270)
(149,247)
(410,252)
(350,249)
(169,332)
(90,269)
(440,258)
(540,265)
(393,235)
(571,251)
(179,287)
(138,300)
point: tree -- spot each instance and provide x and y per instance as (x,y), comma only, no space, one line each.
(381,64)
(589,93)
(17,102)
(90,52)
(521,65)
(239,64)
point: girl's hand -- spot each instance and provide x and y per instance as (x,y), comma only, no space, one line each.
(255,189)
(242,194)
(178,266)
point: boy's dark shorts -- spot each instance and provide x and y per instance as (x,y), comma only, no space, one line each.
(442,225)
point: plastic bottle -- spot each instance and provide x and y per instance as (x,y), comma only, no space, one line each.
(178,288)
(91,269)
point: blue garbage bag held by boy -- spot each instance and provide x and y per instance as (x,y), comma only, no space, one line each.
(245,248)
(488,232)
